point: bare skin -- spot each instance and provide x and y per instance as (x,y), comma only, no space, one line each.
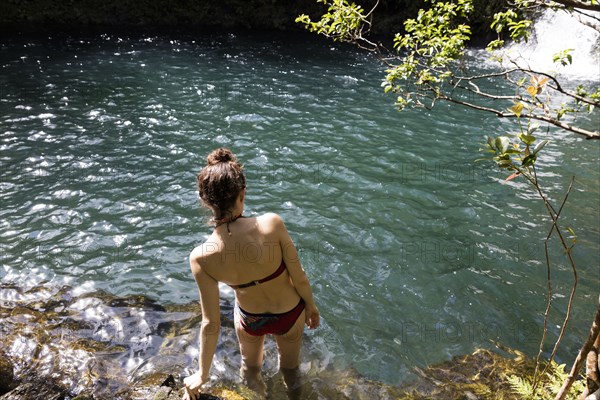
(253,250)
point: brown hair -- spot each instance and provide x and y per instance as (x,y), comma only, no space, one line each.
(221,181)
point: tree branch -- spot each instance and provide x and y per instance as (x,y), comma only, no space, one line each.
(500,114)
(579,4)
(558,87)
(579,16)
(517,69)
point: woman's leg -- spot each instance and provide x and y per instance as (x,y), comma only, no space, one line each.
(289,345)
(251,349)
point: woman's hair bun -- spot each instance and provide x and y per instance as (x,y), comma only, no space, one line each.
(220,155)
(221,181)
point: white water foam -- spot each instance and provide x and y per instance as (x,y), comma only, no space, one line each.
(556,31)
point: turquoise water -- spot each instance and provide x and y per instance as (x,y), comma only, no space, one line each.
(416,253)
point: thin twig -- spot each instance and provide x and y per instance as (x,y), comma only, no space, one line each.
(575,279)
(554,216)
(550,294)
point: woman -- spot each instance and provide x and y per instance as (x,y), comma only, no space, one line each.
(257,258)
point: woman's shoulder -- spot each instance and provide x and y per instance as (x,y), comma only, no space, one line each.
(270,221)
(205,250)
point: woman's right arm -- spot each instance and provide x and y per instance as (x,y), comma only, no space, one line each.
(297,273)
(208,288)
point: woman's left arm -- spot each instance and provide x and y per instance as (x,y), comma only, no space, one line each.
(297,274)
(208,288)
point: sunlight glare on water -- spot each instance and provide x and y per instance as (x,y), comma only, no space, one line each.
(416,253)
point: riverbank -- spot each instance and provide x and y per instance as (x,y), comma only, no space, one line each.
(59,344)
(96,345)
(207,15)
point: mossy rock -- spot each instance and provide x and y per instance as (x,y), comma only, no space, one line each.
(481,375)
(35,390)
(7,378)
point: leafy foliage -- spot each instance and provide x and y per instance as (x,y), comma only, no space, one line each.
(518,28)
(341,21)
(427,63)
(433,41)
(520,154)
(556,375)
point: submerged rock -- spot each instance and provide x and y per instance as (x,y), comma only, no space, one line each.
(7,377)
(35,390)
(99,346)
(480,375)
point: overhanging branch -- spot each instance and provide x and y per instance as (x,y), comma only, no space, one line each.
(583,5)
(501,114)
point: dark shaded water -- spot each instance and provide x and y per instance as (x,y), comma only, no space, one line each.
(416,253)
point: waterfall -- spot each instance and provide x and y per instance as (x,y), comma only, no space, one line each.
(553,32)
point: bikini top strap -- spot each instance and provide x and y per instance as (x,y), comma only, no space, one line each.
(274,275)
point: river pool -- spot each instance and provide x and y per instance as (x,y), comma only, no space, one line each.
(416,252)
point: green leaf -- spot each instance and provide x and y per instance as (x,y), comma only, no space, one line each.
(527,139)
(529,160)
(563,57)
(502,163)
(573,235)
(532,128)
(512,151)
(539,146)
(495,44)
(502,143)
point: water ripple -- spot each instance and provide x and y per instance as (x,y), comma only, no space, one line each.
(414,249)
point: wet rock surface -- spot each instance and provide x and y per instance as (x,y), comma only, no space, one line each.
(7,378)
(35,390)
(57,345)
(480,375)
(96,344)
